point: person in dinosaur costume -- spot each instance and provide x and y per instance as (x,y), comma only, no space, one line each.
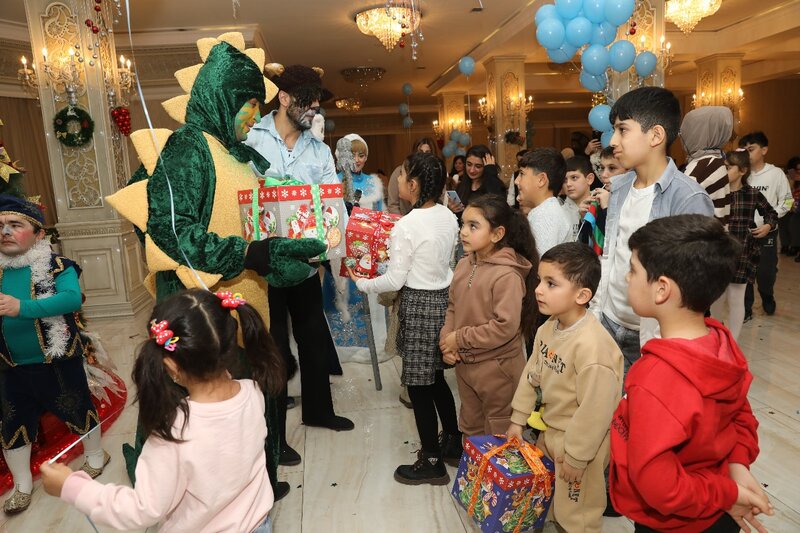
(183,198)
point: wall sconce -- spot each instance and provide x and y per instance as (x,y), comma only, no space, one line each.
(486,110)
(437,130)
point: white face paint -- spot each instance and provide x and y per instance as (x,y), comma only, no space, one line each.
(6,231)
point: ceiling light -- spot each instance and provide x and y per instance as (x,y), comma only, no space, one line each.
(389,23)
(685,14)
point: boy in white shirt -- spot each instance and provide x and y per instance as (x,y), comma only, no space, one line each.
(578,184)
(772,183)
(646,122)
(541,176)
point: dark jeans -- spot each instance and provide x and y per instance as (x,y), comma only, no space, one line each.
(765,274)
(724,524)
(427,400)
(303,303)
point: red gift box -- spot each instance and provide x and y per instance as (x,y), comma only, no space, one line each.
(367,242)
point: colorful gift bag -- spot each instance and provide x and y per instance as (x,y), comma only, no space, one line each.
(295,210)
(367,242)
(505,485)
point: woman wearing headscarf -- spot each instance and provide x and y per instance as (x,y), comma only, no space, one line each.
(704,133)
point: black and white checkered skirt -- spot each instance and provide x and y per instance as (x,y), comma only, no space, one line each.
(421,317)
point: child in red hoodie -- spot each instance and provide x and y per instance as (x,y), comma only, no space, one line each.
(683,436)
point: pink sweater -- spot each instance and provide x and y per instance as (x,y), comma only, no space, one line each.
(216,481)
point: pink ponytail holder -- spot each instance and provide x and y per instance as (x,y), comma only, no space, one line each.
(163,335)
(230,300)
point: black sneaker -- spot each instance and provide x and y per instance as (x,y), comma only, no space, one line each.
(451,448)
(769,306)
(748,316)
(281,490)
(291,403)
(429,468)
(336,423)
(289,456)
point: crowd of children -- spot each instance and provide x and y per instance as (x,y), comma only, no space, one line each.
(643,398)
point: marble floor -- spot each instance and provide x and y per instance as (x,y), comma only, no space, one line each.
(344,483)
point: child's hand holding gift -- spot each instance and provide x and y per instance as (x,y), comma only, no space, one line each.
(514,430)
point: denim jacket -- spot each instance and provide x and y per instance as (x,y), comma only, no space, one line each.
(310,161)
(675,194)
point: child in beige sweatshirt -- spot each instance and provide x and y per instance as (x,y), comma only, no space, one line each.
(578,367)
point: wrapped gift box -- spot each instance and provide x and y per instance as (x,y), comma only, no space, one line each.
(295,211)
(504,488)
(367,242)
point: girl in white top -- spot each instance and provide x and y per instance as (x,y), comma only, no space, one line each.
(422,243)
(203,467)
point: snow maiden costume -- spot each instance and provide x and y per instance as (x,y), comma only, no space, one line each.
(183,199)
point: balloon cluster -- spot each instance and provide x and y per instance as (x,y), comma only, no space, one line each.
(403,108)
(590,26)
(122,118)
(457,145)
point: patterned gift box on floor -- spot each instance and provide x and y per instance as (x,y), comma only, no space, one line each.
(505,486)
(292,209)
(367,242)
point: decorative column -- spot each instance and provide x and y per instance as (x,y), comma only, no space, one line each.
(505,94)
(719,82)
(79,71)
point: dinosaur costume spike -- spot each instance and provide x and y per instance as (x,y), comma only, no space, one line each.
(131,203)
(176,108)
(145,149)
(187,76)
(235,39)
(205,45)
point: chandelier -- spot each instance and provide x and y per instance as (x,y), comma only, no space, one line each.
(391,23)
(685,14)
(363,76)
(351,105)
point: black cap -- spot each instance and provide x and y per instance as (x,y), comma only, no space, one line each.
(303,82)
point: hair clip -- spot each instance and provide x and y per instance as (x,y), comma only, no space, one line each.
(163,335)
(230,300)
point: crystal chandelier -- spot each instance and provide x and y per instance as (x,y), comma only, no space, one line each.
(685,14)
(391,23)
(351,105)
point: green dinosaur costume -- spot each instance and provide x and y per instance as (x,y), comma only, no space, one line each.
(183,199)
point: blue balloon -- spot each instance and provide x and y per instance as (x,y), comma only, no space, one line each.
(407,122)
(645,64)
(464,139)
(568,9)
(593,83)
(603,34)
(407,89)
(466,65)
(545,12)
(579,31)
(330,125)
(595,59)
(403,109)
(598,117)
(594,10)
(454,136)
(550,33)
(563,54)
(618,11)
(605,138)
(623,54)
(461,151)
(452,144)
(448,151)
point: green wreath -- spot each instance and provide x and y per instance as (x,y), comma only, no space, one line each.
(73,126)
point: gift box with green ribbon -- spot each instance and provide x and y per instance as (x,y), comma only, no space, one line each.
(295,210)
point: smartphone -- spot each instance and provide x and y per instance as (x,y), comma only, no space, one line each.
(596,135)
(453,195)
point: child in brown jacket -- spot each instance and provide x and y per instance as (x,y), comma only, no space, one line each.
(578,367)
(491,307)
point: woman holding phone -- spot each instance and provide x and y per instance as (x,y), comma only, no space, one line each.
(480,178)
